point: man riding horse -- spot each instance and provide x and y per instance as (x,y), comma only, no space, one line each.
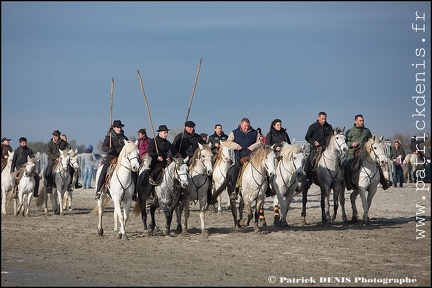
(356,137)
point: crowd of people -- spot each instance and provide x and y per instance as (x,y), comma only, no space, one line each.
(243,140)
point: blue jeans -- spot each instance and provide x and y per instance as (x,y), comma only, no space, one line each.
(397,172)
(88,175)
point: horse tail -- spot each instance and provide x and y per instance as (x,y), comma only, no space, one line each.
(9,198)
(41,199)
(95,211)
(137,208)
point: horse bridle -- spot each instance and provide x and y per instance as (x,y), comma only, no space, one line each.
(295,169)
(130,169)
(339,152)
(29,174)
(266,169)
(376,155)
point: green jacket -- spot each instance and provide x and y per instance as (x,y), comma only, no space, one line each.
(53,151)
(356,134)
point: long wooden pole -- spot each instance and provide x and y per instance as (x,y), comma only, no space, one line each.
(148,111)
(191,99)
(111,106)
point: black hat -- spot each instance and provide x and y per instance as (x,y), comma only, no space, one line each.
(163,128)
(56,133)
(189,124)
(203,135)
(22,139)
(5,139)
(117,123)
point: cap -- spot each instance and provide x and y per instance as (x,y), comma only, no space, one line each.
(5,139)
(189,124)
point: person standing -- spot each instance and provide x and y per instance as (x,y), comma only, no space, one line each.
(185,143)
(355,138)
(216,138)
(89,164)
(396,152)
(415,148)
(112,145)
(53,152)
(19,159)
(316,136)
(6,148)
(143,143)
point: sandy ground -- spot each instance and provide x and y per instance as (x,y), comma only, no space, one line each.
(56,250)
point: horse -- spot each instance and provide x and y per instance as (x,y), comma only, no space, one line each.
(224,160)
(61,179)
(67,198)
(254,183)
(174,178)
(25,188)
(329,175)
(366,175)
(7,183)
(43,196)
(120,189)
(388,167)
(200,174)
(287,178)
(414,165)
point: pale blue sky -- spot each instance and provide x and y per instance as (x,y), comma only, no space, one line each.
(261,60)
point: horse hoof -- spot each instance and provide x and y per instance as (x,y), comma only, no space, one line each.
(285,225)
(100,232)
(354,219)
(205,232)
(119,236)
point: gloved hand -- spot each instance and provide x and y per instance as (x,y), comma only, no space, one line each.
(111,151)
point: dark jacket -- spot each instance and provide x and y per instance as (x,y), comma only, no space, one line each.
(415,144)
(20,157)
(53,151)
(318,132)
(117,143)
(244,140)
(394,153)
(189,144)
(277,136)
(163,150)
(214,138)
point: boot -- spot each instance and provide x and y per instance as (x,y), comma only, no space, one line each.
(385,184)
(69,187)
(135,195)
(35,194)
(269,191)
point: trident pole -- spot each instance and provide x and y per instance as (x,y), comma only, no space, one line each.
(191,98)
(111,106)
(148,110)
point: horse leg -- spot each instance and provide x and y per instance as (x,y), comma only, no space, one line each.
(3,200)
(100,213)
(362,193)
(325,204)
(342,202)
(353,197)
(335,203)
(186,216)
(126,210)
(60,201)
(276,216)
(304,201)
(29,197)
(179,210)
(234,214)
(168,217)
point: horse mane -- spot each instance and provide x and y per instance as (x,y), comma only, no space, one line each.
(219,153)
(127,148)
(288,150)
(335,131)
(259,154)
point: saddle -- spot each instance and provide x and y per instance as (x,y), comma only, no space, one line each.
(354,171)
(239,179)
(18,175)
(316,158)
(110,172)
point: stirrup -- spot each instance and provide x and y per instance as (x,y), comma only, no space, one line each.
(233,196)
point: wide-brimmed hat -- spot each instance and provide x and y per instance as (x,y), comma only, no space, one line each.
(56,133)
(189,124)
(5,139)
(163,128)
(117,123)
(22,139)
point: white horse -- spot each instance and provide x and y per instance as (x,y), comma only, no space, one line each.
(120,188)
(328,176)
(67,198)
(200,174)
(25,188)
(61,179)
(287,178)
(43,196)
(367,176)
(225,159)
(254,183)
(415,165)
(388,167)
(7,183)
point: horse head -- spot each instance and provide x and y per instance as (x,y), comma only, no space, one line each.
(64,160)
(30,166)
(205,156)
(268,160)
(73,158)
(338,141)
(375,149)
(130,153)
(181,171)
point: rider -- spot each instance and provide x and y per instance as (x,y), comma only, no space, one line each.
(316,136)
(215,139)
(53,152)
(185,143)
(112,145)
(6,148)
(159,151)
(143,143)
(243,141)
(19,159)
(356,137)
